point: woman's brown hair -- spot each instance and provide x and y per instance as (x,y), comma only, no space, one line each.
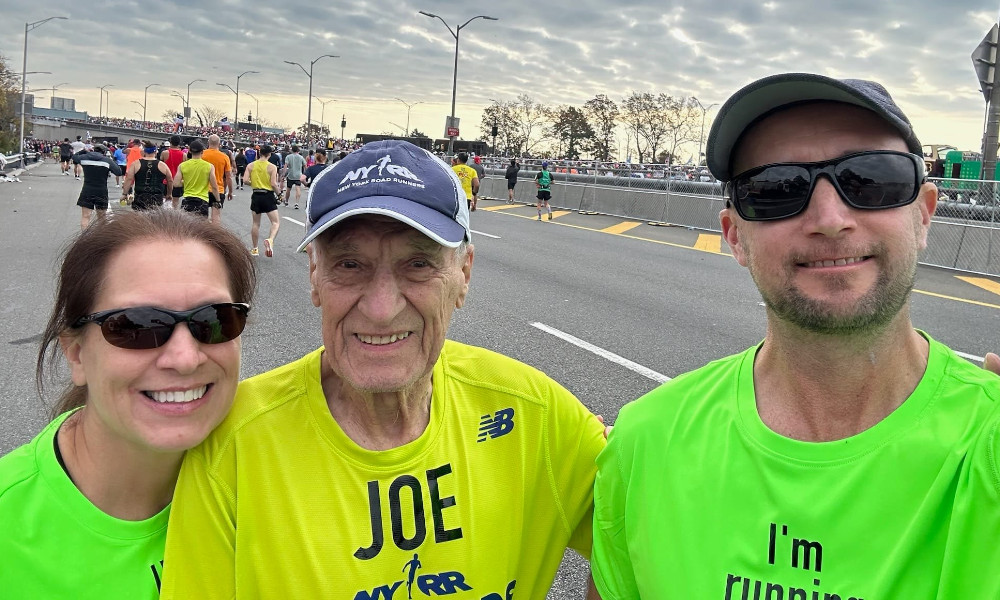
(85,262)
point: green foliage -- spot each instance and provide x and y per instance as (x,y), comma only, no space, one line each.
(602,114)
(573,132)
(10,95)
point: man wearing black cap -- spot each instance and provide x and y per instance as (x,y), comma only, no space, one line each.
(390,448)
(97,166)
(846,456)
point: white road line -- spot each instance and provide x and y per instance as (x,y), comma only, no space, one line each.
(976,359)
(605,354)
(294,221)
(496,237)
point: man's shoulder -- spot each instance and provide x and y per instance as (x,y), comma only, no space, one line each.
(261,395)
(683,395)
(962,376)
(496,373)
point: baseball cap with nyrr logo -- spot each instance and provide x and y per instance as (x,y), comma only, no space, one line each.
(395,179)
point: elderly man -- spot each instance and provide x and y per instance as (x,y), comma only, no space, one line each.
(848,455)
(390,461)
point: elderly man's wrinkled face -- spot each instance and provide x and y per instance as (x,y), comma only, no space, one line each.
(387,293)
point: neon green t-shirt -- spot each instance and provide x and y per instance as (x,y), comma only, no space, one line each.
(195,173)
(697,498)
(55,544)
(280,503)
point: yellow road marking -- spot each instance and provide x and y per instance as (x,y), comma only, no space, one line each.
(621,227)
(558,213)
(986,284)
(665,243)
(965,300)
(501,207)
(709,242)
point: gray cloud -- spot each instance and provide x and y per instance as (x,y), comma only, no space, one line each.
(563,52)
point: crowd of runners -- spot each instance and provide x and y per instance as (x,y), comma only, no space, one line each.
(197,177)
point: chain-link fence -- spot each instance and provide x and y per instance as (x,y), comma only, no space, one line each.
(965,234)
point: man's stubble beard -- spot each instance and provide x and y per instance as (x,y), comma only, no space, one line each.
(874,311)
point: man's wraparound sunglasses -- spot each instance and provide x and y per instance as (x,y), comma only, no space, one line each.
(145,327)
(865,180)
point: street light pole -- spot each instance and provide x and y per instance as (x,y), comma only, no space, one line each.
(24,75)
(107,103)
(309,74)
(100,105)
(454,75)
(145,99)
(408,107)
(226,85)
(187,102)
(701,136)
(54,92)
(322,113)
(258,108)
(143,126)
(237,130)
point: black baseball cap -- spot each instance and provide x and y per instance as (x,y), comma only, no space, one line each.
(764,96)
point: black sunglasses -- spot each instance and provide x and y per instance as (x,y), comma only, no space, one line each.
(866,180)
(145,327)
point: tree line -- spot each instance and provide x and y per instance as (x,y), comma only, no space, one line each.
(655,127)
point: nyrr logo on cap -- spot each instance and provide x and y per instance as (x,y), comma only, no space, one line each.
(387,172)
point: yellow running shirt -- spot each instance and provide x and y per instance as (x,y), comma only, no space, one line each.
(195,173)
(259,177)
(465,175)
(279,503)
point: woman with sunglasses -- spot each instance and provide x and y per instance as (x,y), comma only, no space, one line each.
(153,351)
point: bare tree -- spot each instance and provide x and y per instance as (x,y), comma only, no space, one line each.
(683,117)
(529,119)
(602,113)
(501,114)
(636,110)
(208,116)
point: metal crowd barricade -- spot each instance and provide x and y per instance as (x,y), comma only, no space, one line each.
(965,234)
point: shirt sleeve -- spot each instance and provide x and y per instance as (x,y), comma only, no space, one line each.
(576,437)
(200,559)
(610,563)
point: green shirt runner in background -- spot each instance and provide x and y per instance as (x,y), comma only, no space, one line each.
(909,508)
(55,544)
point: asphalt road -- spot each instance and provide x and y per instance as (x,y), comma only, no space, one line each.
(646,301)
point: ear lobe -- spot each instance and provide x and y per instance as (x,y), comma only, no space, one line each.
(731,233)
(72,349)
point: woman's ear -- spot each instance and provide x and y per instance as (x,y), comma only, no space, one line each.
(72,348)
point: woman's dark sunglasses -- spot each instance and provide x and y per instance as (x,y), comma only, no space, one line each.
(145,327)
(867,180)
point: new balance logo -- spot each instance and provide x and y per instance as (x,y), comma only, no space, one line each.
(493,426)
(383,164)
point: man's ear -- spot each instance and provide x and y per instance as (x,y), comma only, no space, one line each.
(72,349)
(927,204)
(467,272)
(731,223)
(313,290)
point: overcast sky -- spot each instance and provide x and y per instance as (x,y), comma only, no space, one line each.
(558,52)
